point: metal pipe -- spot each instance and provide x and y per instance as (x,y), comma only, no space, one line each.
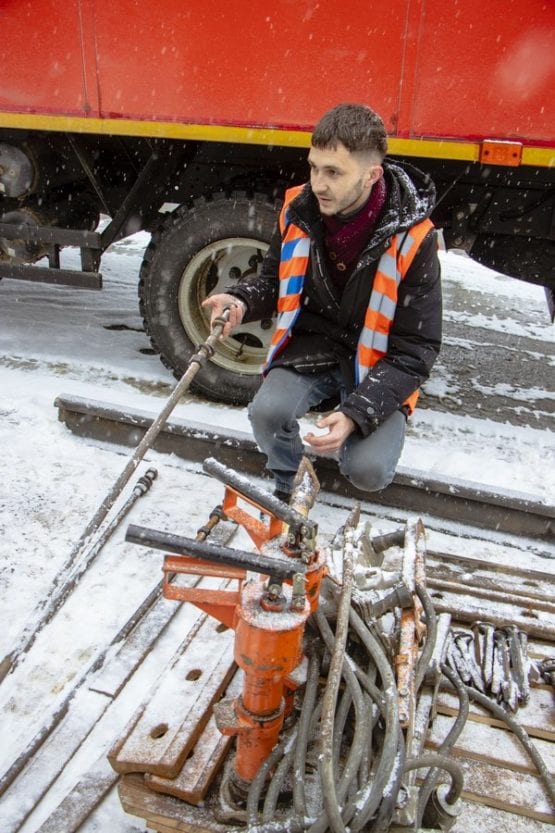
(67,578)
(260,496)
(205,351)
(276,566)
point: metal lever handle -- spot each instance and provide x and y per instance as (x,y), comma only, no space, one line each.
(260,496)
(279,568)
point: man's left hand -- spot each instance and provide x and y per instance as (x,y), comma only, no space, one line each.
(340,427)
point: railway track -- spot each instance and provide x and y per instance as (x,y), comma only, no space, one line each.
(453,500)
(489,557)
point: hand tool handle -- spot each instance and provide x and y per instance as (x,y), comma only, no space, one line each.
(280,568)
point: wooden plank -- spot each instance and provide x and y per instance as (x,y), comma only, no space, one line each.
(541,650)
(85,796)
(494,592)
(114,674)
(465,607)
(46,765)
(519,793)
(530,557)
(488,578)
(164,812)
(198,771)
(478,818)
(167,726)
(87,707)
(537,717)
(491,744)
(203,763)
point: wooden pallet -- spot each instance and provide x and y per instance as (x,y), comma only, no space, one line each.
(497,770)
(164,731)
(503,793)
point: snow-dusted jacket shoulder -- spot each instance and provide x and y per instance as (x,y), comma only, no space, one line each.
(328,327)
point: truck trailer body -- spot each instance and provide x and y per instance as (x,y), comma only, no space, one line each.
(189,120)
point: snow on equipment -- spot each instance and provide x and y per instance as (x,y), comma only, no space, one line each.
(325,669)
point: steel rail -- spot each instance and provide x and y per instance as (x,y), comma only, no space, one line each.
(451,499)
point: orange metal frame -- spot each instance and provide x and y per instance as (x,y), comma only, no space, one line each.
(268,638)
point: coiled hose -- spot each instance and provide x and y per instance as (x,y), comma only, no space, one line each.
(348,729)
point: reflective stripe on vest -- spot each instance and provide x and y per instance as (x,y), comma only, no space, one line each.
(392,267)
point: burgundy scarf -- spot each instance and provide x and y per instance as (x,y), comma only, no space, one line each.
(344,240)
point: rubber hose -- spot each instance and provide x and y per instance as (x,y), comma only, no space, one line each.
(257,785)
(376,694)
(361,727)
(276,782)
(366,760)
(432,759)
(521,734)
(431,633)
(331,691)
(339,725)
(389,748)
(382,822)
(305,717)
(452,736)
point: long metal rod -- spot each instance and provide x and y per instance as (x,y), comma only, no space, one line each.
(139,614)
(66,580)
(204,352)
(277,566)
(263,498)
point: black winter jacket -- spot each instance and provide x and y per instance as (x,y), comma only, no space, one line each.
(328,327)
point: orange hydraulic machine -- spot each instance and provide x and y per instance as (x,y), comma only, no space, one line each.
(278,588)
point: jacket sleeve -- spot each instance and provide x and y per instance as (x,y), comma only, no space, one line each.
(413,345)
(260,293)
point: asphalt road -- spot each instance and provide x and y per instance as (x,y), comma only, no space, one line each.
(497,359)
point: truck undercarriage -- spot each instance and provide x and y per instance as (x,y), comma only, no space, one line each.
(211,209)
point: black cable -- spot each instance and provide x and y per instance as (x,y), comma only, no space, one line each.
(449,741)
(432,759)
(521,734)
(431,633)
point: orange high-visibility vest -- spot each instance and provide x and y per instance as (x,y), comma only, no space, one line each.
(392,267)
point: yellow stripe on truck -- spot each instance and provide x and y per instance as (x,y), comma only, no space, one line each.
(425,148)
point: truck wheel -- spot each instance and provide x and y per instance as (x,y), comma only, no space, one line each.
(200,249)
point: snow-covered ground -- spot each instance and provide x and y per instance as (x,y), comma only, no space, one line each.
(56,340)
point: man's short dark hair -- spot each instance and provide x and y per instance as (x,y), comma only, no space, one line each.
(356,126)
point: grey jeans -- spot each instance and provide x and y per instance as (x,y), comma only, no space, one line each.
(285,396)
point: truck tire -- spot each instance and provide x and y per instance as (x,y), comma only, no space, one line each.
(198,250)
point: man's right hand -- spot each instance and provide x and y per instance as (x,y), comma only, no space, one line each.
(216,305)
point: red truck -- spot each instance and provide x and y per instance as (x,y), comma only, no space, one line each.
(188,120)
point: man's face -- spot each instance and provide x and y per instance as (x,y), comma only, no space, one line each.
(341,180)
